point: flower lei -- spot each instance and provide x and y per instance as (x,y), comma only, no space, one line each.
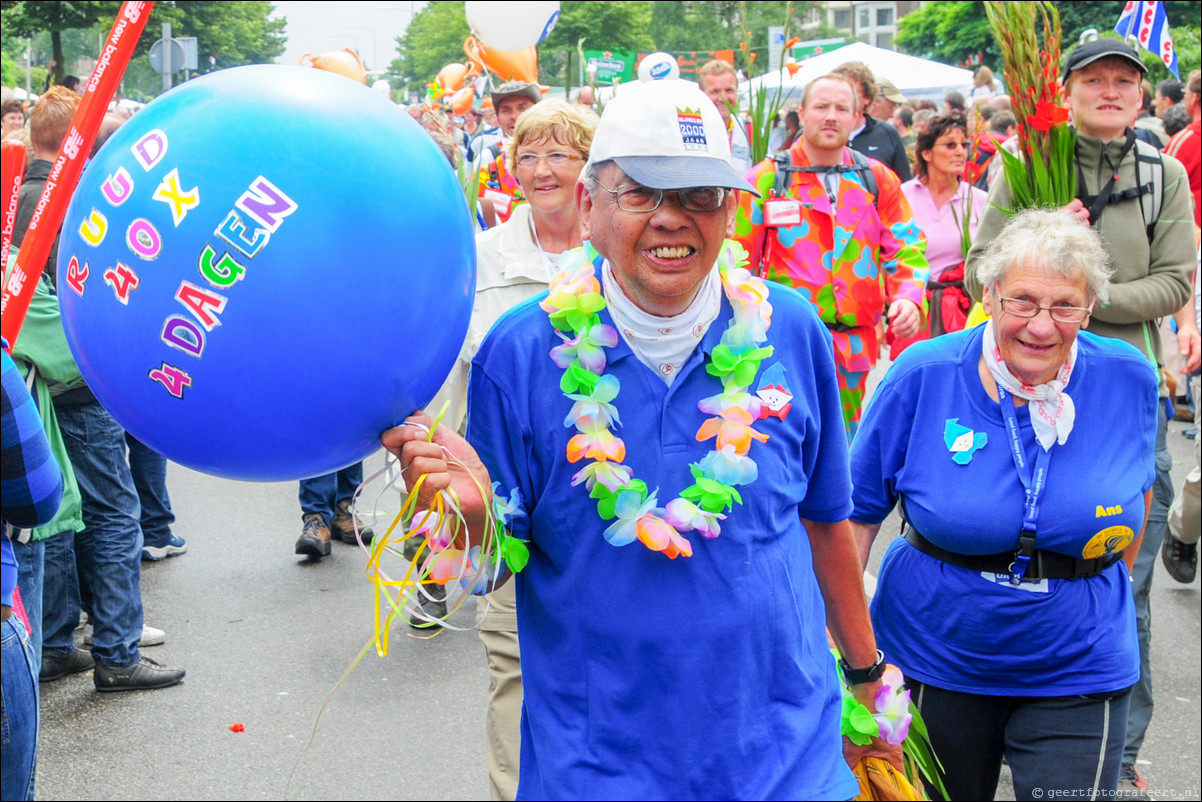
(572,304)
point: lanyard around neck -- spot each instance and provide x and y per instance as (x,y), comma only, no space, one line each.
(1033,485)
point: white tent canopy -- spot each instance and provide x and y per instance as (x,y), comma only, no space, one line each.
(914,77)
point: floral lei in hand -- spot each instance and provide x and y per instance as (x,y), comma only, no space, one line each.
(573,303)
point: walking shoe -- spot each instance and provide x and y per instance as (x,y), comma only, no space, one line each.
(58,667)
(1180,559)
(344,523)
(150,636)
(146,674)
(314,541)
(1131,784)
(432,601)
(175,546)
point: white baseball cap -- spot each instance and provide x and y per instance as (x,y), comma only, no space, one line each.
(666,134)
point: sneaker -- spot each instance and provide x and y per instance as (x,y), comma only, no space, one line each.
(1131,784)
(146,674)
(433,604)
(175,547)
(314,541)
(1180,559)
(345,522)
(150,636)
(58,667)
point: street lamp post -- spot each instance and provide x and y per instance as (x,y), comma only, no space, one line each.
(374,64)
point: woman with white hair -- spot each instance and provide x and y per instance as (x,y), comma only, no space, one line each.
(1022,454)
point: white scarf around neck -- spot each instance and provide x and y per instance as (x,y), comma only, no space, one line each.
(1051,409)
(663,343)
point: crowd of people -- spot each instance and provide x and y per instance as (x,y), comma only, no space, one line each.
(762,295)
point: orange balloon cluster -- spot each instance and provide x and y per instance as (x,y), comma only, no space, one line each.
(517,65)
(344,62)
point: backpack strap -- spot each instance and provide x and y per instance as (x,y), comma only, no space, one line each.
(1149,186)
(1151,192)
(859,164)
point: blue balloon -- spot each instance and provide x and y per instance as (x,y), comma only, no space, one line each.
(264,269)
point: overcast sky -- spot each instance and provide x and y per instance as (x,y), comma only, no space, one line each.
(369,27)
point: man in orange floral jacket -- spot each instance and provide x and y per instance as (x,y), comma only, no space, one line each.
(842,234)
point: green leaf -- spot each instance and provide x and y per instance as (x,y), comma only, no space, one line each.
(515,552)
(578,379)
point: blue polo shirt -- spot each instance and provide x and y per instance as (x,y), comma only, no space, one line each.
(647,678)
(958,629)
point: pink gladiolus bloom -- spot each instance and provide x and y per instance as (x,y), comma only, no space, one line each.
(611,475)
(685,515)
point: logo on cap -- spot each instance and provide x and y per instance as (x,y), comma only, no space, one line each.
(692,128)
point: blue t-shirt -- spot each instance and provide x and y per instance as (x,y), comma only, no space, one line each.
(647,678)
(964,631)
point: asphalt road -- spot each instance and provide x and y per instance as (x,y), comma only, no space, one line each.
(267,638)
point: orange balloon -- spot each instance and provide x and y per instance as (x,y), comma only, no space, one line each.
(471,48)
(462,100)
(516,65)
(451,77)
(344,62)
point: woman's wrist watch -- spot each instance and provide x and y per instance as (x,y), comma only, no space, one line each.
(858,676)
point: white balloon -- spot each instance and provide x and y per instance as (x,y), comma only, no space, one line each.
(511,26)
(383,87)
(658,66)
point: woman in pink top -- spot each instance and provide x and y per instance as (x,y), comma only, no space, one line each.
(947,209)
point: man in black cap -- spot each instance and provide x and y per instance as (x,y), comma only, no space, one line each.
(499,188)
(1139,202)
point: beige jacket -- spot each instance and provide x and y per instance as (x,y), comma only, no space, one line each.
(509,269)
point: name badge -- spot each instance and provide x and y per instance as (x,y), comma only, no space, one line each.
(1004,579)
(500,200)
(782,212)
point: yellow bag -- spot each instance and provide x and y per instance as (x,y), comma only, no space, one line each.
(879,780)
(976,315)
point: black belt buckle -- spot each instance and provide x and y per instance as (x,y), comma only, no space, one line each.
(1022,557)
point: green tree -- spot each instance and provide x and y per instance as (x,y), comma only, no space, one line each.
(23,18)
(617,26)
(694,25)
(433,39)
(227,34)
(952,32)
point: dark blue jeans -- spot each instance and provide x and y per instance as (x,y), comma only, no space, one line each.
(1141,591)
(60,595)
(30,575)
(149,471)
(18,710)
(109,550)
(322,493)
